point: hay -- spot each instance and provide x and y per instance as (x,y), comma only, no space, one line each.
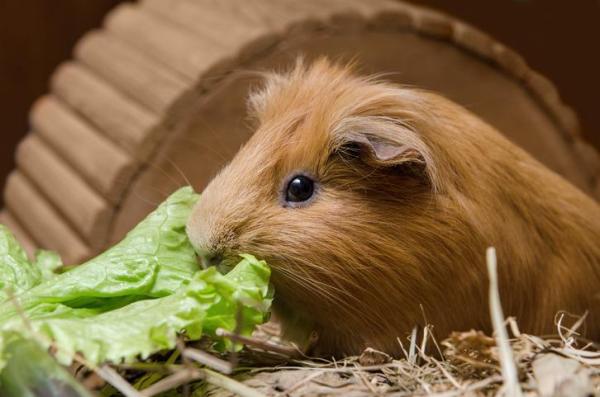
(470,364)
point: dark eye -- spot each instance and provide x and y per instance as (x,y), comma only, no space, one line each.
(299,189)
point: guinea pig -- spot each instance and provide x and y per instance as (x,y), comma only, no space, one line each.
(374,205)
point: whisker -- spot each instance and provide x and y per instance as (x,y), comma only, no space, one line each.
(179,170)
(152,164)
(145,200)
(341,299)
(205,148)
(207,129)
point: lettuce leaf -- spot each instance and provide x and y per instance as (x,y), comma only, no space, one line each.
(16,273)
(209,301)
(151,261)
(134,299)
(48,262)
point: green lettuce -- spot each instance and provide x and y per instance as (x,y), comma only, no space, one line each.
(48,262)
(134,299)
(151,261)
(16,273)
(208,301)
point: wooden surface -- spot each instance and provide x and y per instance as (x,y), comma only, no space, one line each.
(35,36)
(78,202)
(40,222)
(556,38)
(98,160)
(149,82)
(106,145)
(122,120)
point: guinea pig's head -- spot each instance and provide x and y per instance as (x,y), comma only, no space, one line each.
(337,190)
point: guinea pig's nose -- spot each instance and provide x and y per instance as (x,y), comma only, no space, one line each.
(209,258)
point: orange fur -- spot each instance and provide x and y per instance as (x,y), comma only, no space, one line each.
(386,244)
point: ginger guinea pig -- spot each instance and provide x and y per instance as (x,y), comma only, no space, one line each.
(374,205)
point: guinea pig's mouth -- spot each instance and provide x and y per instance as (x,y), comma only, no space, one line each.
(222,261)
(227,263)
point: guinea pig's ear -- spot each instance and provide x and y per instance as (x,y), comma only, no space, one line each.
(386,143)
(382,142)
(383,152)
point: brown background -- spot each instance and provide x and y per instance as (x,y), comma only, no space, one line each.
(559,38)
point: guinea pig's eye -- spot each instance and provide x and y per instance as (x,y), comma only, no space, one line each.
(300,188)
